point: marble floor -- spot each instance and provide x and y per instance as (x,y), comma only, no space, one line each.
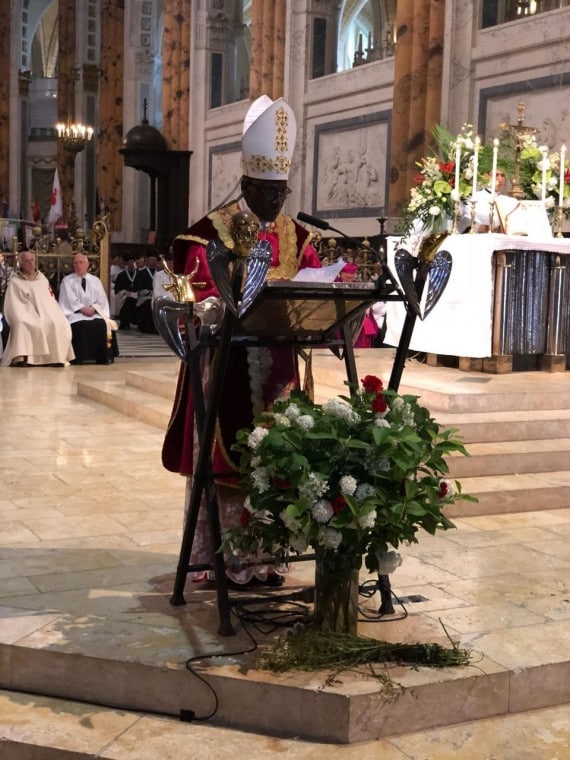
(89,539)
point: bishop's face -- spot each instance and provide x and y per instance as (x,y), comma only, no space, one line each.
(265,197)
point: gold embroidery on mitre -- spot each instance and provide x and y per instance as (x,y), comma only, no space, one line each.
(282,122)
(280,164)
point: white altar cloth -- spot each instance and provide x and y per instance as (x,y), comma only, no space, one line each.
(461,324)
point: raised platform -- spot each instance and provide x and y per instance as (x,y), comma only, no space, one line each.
(90,533)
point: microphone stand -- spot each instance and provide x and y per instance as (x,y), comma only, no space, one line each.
(321,224)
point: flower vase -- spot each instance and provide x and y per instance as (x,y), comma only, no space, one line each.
(336,592)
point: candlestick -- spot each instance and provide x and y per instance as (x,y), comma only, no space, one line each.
(494,168)
(544,163)
(458,165)
(475,163)
(559,220)
(561,191)
(473,210)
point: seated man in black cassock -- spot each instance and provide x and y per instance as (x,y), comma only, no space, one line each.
(127,293)
(144,284)
(86,306)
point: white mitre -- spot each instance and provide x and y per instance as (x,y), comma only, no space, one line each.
(268,139)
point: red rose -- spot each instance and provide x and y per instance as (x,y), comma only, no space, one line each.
(378,404)
(282,484)
(567,177)
(372,384)
(448,167)
(443,489)
(338,504)
(418,179)
(244,518)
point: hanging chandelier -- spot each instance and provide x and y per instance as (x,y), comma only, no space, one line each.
(74,137)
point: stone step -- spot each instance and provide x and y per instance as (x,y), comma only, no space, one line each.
(130,401)
(511,458)
(528,492)
(161,384)
(44,728)
(478,427)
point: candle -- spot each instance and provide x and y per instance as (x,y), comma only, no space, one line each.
(561,191)
(494,167)
(458,165)
(544,165)
(475,163)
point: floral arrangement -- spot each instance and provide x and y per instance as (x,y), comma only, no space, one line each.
(432,197)
(352,478)
(434,191)
(535,157)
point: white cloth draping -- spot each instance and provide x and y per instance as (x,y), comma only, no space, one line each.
(461,324)
(39,330)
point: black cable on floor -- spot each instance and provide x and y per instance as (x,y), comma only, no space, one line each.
(368,589)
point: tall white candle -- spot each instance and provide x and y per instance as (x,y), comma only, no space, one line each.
(544,165)
(458,166)
(561,191)
(476,162)
(494,167)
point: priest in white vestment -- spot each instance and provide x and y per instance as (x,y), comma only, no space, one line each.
(39,332)
(86,306)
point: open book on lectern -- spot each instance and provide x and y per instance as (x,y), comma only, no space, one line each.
(286,310)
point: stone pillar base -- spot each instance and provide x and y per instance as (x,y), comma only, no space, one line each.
(498,364)
(553,363)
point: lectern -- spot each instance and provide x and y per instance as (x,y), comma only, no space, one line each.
(298,314)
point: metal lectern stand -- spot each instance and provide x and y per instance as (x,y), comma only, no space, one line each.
(297,314)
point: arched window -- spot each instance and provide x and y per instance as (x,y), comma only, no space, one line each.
(365,32)
(230,57)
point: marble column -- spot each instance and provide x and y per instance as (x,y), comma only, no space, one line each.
(110,162)
(176,74)
(417,90)
(5,37)
(267,48)
(66,73)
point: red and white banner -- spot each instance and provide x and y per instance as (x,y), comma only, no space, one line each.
(56,205)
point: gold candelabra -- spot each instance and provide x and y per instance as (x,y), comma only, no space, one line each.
(519,131)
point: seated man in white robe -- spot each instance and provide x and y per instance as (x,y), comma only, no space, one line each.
(39,332)
(86,306)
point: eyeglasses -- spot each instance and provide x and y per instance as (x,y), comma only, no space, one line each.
(271,192)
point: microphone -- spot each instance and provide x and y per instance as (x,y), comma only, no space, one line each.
(314,220)
(322,225)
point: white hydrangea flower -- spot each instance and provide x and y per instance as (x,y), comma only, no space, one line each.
(305,422)
(282,419)
(260,479)
(397,403)
(383,464)
(388,562)
(341,409)
(381,421)
(298,543)
(322,510)
(348,485)
(313,487)
(290,522)
(364,491)
(434,210)
(255,461)
(367,520)
(292,411)
(256,437)
(329,537)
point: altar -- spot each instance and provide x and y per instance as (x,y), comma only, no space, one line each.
(505,306)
